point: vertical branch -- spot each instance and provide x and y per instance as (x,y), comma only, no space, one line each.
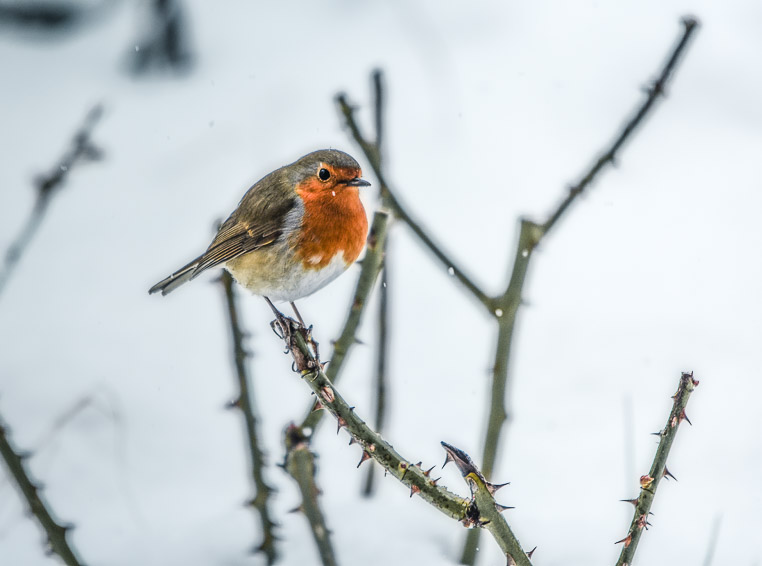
(82,149)
(529,238)
(650,482)
(382,348)
(300,463)
(244,402)
(57,541)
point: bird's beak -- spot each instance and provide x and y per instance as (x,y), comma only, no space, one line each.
(357,182)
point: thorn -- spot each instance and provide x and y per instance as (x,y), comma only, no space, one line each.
(448,459)
(318,406)
(340,424)
(434,481)
(297,509)
(626,540)
(418,465)
(501,508)
(633,501)
(365,456)
(660,433)
(646,481)
(428,472)
(414,489)
(667,474)
(684,417)
(643,522)
(531,552)
(493,487)
(352,440)
(403,466)
(233,404)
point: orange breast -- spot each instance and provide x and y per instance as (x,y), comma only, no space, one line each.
(334,221)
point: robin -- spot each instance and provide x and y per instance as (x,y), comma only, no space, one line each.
(294,231)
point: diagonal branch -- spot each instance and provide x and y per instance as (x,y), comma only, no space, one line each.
(392,202)
(609,156)
(244,402)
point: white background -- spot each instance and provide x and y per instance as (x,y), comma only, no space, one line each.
(493,109)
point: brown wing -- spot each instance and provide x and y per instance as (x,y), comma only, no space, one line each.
(257,222)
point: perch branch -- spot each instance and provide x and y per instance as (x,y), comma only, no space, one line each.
(261,500)
(373,445)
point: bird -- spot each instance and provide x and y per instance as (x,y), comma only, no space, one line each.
(293,232)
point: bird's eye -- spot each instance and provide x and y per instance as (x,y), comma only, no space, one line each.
(324,174)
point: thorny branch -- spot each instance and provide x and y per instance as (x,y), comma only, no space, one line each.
(650,482)
(82,149)
(261,499)
(480,511)
(57,542)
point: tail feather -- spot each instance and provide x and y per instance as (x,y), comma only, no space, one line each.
(182,275)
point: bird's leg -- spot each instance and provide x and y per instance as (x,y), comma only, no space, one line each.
(308,333)
(296,312)
(281,326)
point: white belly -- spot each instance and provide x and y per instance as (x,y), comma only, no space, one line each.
(263,275)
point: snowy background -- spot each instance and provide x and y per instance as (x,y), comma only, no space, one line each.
(493,108)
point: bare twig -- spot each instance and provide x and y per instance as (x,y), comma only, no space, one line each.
(57,541)
(656,90)
(244,402)
(529,238)
(650,482)
(82,149)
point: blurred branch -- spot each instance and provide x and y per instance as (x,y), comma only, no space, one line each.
(82,149)
(244,402)
(530,236)
(166,45)
(300,463)
(57,541)
(712,545)
(650,482)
